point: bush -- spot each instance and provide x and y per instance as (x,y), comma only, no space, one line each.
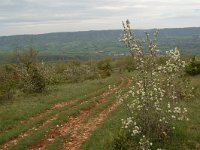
(194,67)
(104,68)
(33,80)
(77,71)
(8,81)
(32,74)
(125,64)
(50,74)
(123,141)
(74,71)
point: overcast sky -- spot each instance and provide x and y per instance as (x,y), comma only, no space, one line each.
(42,16)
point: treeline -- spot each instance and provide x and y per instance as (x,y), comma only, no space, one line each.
(31,75)
(93,42)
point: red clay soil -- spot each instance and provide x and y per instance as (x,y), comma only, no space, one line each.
(81,132)
(41,114)
(26,133)
(73,123)
(56,106)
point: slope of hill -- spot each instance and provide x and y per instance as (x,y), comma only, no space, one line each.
(98,43)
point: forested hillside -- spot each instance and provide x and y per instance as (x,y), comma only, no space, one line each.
(95,44)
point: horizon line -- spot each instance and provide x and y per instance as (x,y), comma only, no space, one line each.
(24,34)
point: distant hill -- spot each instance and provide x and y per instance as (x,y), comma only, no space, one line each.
(87,44)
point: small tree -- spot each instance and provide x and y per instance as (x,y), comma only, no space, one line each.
(152,102)
(30,71)
(26,58)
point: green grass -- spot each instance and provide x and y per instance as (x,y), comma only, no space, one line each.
(102,138)
(63,115)
(35,136)
(57,143)
(185,137)
(103,106)
(11,113)
(88,89)
(93,113)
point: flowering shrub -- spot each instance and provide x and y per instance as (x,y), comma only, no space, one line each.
(31,79)
(33,75)
(49,73)
(153,102)
(77,71)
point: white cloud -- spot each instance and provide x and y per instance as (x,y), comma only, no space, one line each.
(39,16)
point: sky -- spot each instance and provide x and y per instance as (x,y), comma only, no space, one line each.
(44,16)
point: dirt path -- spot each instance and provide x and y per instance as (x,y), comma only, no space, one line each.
(48,121)
(25,134)
(74,122)
(56,106)
(81,132)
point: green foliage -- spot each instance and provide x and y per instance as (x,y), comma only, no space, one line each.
(125,64)
(78,71)
(26,57)
(194,67)
(50,74)
(123,141)
(36,81)
(31,73)
(74,71)
(104,67)
(8,81)
(91,70)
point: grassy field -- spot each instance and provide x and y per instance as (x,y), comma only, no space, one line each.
(83,115)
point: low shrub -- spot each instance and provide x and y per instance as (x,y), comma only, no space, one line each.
(74,72)
(104,68)
(123,141)
(77,71)
(8,81)
(125,64)
(193,68)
